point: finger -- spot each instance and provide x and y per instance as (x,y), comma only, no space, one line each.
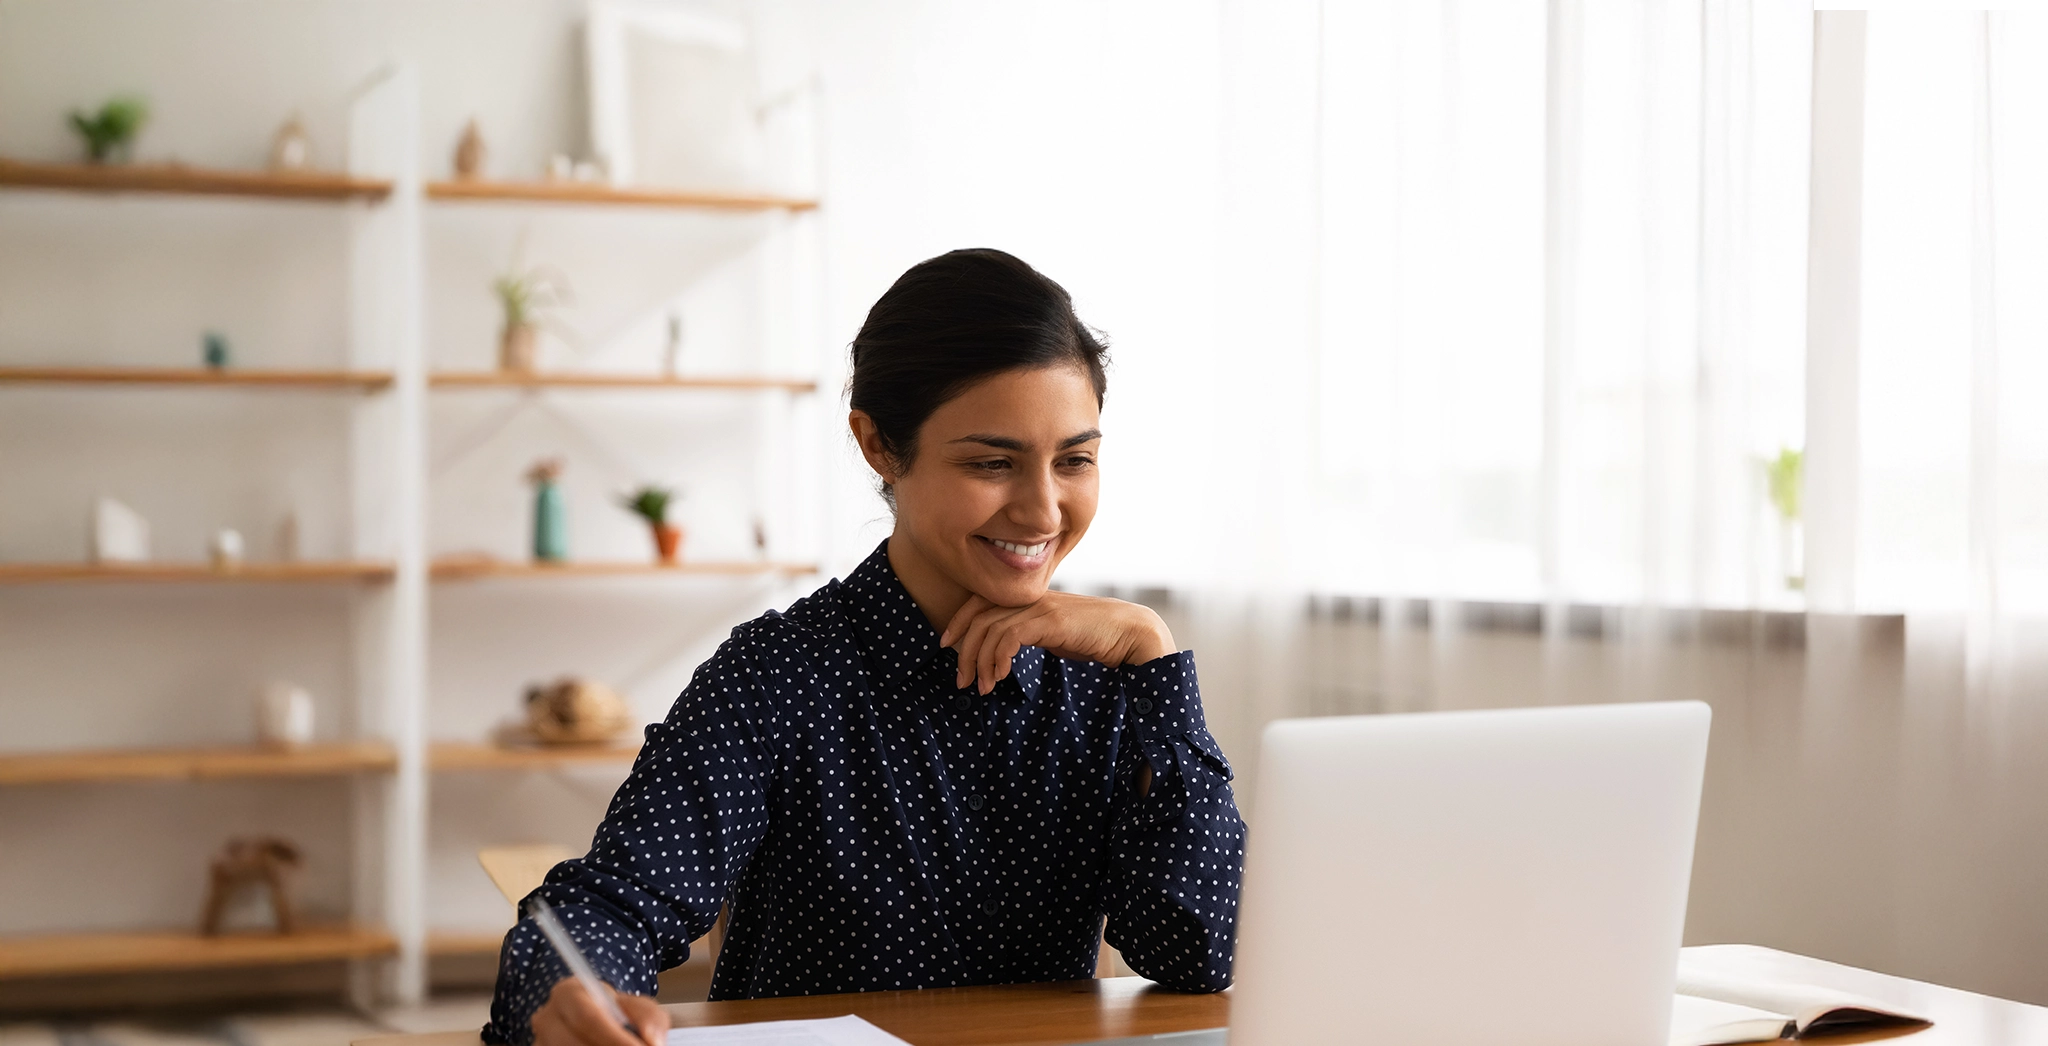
(646,1015)
(1001,644)
(969,644)
(592,1024)
(957,625)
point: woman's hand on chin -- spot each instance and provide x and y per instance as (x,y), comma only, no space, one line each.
(1079,628)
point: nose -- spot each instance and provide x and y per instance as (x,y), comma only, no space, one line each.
(1035,503)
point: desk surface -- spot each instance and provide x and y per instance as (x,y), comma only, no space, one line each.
(1079,1011)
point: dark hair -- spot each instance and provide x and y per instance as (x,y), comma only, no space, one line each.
(952,321)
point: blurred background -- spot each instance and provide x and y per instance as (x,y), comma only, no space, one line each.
(399,398)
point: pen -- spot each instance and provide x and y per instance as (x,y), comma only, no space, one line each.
(572,956)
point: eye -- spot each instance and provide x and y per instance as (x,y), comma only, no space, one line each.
(996,465)
(1077,461)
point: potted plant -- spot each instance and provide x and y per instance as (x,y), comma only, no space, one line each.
(651,504)
(1786,475)
(526,297)
(110,133)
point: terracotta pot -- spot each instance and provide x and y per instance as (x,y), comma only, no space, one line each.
(668,541)
(517,347)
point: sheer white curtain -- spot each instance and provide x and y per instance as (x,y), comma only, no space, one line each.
(1453,339)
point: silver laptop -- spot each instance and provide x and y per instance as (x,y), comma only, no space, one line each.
(1468,878)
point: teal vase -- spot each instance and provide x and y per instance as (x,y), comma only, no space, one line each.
(550,523)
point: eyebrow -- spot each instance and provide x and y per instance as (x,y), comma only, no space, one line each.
(1009,443)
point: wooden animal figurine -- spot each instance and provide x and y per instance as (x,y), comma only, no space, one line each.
(263,861)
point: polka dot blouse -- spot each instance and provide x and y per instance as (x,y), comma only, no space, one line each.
(873,827)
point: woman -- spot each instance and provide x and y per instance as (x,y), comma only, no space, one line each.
(937,771)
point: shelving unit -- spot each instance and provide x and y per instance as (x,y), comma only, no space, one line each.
(193,573)
(463,755)
(709,383)
(76,954)
(388,393)
(600,194)
(468,570)
(199,377)
(191,181)
(195,764)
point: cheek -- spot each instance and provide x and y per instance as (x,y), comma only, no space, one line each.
(950,507)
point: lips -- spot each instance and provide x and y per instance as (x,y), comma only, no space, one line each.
(1027,551)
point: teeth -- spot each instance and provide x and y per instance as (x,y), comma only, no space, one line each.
(1027,551)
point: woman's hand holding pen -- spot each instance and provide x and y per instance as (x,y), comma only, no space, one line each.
(571,1017)
(1079,628)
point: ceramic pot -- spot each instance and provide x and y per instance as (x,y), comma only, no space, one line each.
(668,541)
(517,347)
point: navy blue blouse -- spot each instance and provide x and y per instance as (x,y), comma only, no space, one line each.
(873,827)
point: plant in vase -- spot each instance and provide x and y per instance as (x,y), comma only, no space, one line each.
(550,518)
(527,297)
(110,133)
(651,504)
(1786,474)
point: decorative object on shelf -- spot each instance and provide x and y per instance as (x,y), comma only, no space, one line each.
(213,348)
(760,538)
(588,171)
(550,518)
(284,715)
(470,153)
(1785,474)
(226,548)
(672,353)
(292,149)
(561,168)
(263,861)
(576,711)
(288,538)
(527,297)
(651,504)
(110,133)
(119,533)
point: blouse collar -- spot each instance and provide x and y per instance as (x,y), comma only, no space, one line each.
(901,646)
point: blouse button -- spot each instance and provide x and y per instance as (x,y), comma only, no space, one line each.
(975,802)
(1143,705)
(963,702)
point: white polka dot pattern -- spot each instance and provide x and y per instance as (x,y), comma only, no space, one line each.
(875,828)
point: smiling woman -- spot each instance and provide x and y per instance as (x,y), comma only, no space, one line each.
(937,771)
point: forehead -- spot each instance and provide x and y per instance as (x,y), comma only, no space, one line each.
(1048,402)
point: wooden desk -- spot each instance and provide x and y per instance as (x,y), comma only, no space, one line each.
(1080,1011)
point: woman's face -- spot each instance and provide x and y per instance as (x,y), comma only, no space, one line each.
(1003,486)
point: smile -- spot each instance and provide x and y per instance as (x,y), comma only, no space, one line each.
(1027,551)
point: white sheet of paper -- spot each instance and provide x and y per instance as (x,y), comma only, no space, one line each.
(1708,1022)
(832,1031)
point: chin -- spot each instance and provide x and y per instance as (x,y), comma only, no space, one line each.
(1013,592)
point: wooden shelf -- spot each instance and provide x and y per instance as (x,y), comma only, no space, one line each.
(464,942)
(470,755)
(50,573)
(62,955)
(343,380)
(601,194)
(514,380)
(190,181)
(470,569)
(194,764)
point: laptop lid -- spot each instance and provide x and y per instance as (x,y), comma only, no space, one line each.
(1469,878)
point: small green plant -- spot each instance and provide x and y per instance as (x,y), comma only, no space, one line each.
(528,296)
(1785,473)
(649,503)
(110,133)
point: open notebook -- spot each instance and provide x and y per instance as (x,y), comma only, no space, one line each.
(1714,1009)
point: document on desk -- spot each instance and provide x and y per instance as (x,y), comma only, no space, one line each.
(1714,1009)
(832,1031)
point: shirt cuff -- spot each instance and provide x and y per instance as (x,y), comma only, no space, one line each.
(529,968)
(1163,696)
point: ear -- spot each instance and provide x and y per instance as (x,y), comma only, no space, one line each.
(869,437)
